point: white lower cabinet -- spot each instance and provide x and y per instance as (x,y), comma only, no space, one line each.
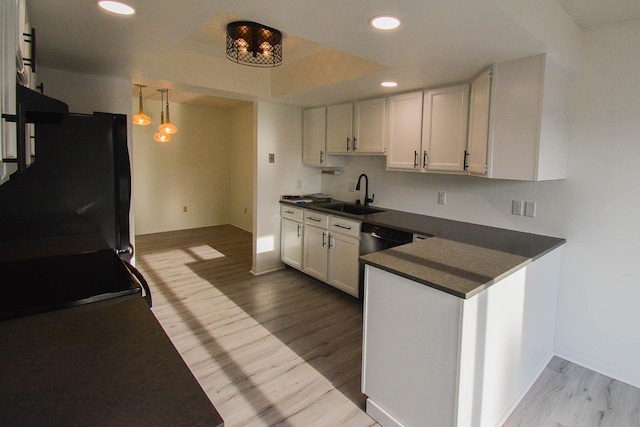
(291,236)
(344,250)
(315,252)
(291,243)
(323,246)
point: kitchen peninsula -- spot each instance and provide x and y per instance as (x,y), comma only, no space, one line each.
(458,326)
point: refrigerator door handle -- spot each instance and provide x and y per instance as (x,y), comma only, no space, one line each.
(127,250)
(143,282)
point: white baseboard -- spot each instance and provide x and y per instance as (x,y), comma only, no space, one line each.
(381,416)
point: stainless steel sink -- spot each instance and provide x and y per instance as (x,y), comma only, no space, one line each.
(351,208)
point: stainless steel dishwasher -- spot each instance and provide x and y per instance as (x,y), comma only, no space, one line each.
(375,238)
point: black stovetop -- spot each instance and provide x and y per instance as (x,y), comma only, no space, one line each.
(30,286)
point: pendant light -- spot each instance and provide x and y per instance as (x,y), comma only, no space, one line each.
(166,126)
(141,118)
(161,136)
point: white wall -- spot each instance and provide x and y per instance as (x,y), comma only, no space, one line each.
(278,131)
(191,170)
(599,312)
(595,208)
(241,160)
(86,93)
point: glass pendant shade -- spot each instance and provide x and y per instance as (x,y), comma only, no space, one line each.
(166,126)
(141,118)
(161,137)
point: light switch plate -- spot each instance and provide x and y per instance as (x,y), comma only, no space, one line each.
(516,207)
(442,198)
(530,209)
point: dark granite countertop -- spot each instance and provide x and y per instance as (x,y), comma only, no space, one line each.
(103,364)
(461,258)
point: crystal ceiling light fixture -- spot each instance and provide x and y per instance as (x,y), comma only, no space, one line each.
(117,7)
(166,126)
(161,136)
(141,118)
(385,22)
(253,44)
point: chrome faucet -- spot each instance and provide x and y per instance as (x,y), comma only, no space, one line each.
(367,200)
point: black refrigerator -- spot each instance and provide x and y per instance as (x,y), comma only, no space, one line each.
(64,221)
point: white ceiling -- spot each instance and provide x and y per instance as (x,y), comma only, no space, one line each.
(330,53)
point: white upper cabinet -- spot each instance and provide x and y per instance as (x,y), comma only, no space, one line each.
(428,130)
(357,128)
(405,131)
(314,145)
(444,128)
(369,126)
(340,128)
(479,123)
(527,121)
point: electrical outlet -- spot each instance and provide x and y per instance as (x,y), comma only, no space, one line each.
(516,207)
(530,209)
(442,198)
(299,184)
(272,158)
(352,187)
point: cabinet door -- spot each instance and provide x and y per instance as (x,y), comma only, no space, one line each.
(370,126)
(409,325)
(444,128)
(340,128)
(343,263)
(477,144)
(9,20)
(291,243)
(316,241)
(313,136)
(405,131)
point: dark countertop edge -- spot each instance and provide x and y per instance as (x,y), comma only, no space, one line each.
(450,291)
(527,244)
(445,289)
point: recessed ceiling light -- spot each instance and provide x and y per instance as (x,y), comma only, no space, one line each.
(117,7)
(389,84)
(385,22)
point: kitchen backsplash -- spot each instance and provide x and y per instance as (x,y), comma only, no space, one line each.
(469,199)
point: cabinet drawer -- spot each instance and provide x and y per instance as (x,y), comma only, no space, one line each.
(292,213)
(344,226)
(316,219)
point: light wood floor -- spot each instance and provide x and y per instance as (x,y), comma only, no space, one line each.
(284,349)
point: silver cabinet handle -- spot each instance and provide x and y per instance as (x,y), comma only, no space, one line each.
(299,228)
(314,219)
(324,239)
(348,140)
(342,226)
(425,158)
(355,143)
(330,237)
(321,157)
(289,212)
(415,159)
